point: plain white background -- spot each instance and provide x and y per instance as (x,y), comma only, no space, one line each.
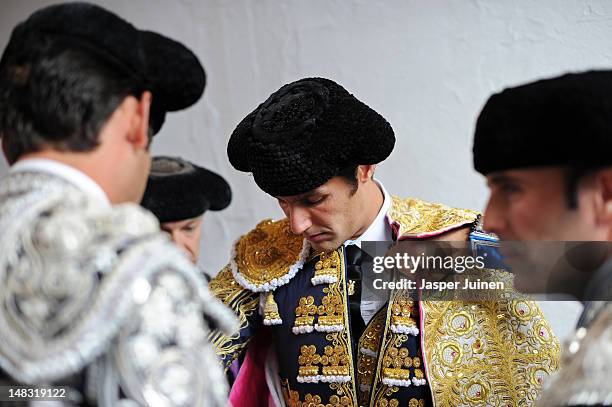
(427,66)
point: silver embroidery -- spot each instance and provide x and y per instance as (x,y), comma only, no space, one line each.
(81,284)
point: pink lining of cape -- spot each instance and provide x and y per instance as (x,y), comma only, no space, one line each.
(251,388)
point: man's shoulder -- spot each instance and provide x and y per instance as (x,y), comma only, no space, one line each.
(77,272)
(585,377)
(57,213)
(268,256)
(416,218)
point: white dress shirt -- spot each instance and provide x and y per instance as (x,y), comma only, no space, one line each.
(379,230)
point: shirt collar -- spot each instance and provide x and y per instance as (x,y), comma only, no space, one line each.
(67,173)
(379,229)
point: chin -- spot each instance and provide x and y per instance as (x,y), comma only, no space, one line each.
(523,285)
(326,246)
(530,283)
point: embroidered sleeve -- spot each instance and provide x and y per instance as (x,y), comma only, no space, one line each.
(245,304)
(160,351)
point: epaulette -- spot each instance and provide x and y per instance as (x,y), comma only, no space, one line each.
(417,219)
(268,256)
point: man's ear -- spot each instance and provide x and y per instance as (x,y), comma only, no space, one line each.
(365,172)
(139,132)
(604,181)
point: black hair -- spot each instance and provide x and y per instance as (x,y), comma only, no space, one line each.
(349,174)
(573,177)
(55,95)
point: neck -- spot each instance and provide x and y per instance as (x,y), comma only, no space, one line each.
(87,162)
(373,200)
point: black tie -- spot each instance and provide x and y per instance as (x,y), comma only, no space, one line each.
(354,257)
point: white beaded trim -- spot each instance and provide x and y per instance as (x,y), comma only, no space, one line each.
(308,379)
(396,382)
(324,279)
(418,382)
(329,328)
(274,283)
(335,379)
(303,329)
(323,379)
(403,329)
(276,321)
(367,352)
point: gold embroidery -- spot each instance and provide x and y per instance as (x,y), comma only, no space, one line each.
(476,392)
(271,315)
(369,344)
(239,299)
(450,353)
(401,312)
(331,311)
(335,365)
(489,333)
(387,403)
(330,314)
(394,361)
(308,361)
(416,403)
(351,287)
(292,398)
(267,253)
(462,323)
(335,361)
(370,339)
(384,397)
(326,268)
(395,365)
(416,217)
(463,339)
(342,338)
(305,311)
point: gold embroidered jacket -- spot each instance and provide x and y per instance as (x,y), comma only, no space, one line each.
(466,352)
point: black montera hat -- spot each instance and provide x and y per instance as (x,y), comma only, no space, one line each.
(178,190)
(563,121)
(306,133)
(167,68)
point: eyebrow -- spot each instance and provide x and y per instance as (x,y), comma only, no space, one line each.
(500,179)
(305,195)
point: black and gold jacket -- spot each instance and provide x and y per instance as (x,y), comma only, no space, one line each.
(412,353)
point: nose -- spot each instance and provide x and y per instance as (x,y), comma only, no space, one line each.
(494,220)
(299,219)
(184,242)
(176,237)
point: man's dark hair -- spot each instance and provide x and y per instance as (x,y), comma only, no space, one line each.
(53,94)
(350,175)
(573,177)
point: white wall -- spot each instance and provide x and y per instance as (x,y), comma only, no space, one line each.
(427,66)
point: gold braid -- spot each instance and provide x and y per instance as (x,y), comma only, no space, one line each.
(243,302)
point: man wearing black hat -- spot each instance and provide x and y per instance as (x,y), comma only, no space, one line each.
(93,296)
(544,148)
(314,147)
(179,193)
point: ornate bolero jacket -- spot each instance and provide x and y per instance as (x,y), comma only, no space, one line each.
(97,299)
(465,353)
